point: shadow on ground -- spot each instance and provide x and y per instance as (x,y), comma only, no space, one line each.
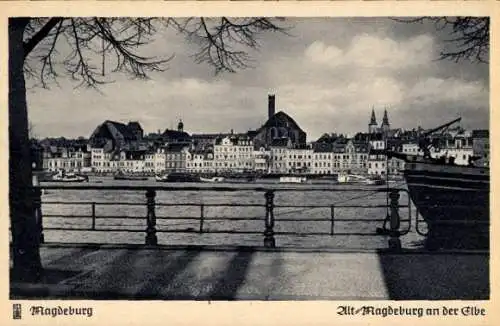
(136,275)
(123,273)
(436,276)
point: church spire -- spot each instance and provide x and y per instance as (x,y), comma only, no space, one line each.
(373,120)
(372,126)
(385,120)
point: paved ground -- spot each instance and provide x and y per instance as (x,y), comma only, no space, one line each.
(124,272)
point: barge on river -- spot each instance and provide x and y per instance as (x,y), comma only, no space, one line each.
(178,177)
(131,177)
(452,199)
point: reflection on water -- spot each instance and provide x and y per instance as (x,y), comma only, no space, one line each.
(113,214)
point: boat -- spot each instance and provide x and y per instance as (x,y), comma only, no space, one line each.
(349,178)
(238,180)
(178,177)
(213,179)
(161,178)
(343,178)
(122,176)
(375,181)
(293,179)
(327,181)
(452,199)
(44,176)
(63,176)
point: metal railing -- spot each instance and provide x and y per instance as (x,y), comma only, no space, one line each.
(269,219)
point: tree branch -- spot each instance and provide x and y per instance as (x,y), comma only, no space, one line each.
(40,35)
(469,36)
(222,42)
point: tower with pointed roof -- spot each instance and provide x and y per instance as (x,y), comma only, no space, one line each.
(385,122)
(372,126)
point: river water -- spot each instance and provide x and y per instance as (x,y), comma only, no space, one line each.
(113,214)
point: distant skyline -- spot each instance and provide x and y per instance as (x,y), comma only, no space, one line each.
(327,76)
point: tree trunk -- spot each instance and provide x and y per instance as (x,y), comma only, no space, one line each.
(27,265)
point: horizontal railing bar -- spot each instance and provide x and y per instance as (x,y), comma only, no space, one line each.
(118,203)
(218,218)
(457,222)
(301,234)
(211,205)
(336,220)
(211,218)
(328,220)
(118,217)
(92,230)
(96,217)
(143,204)
(215,218)
(70,203)
(222,189)
(66,216)
(220,205)
(194,230)
(336,206)
(450,205)
(91,203)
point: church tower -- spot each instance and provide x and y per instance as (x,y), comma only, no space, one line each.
(385,122)
(372,126)
(180,126)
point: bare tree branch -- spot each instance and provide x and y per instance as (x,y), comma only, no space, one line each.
(40,35)
(223,43)
(47,63)
(468,39)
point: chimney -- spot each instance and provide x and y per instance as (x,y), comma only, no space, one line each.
(271,106)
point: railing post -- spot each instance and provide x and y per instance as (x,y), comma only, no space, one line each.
(201,217)
(37,207)
(269,241)
(394,241)
(332,215)
(93,216)
(151,238)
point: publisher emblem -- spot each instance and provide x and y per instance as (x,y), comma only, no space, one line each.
(16,311)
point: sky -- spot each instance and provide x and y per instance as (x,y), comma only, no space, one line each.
(327,75)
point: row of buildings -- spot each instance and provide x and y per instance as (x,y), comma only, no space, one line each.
(278,146)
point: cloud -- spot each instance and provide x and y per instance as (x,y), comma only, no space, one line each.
(374,52)
(197,87)
(318,52)
(327,82)
(435,90)
(434,100)
(205,106)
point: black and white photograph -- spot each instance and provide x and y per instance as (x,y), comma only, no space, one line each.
(248,158)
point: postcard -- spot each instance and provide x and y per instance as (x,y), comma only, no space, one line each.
(248,163)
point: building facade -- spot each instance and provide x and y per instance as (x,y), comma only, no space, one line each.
(481,146)
(233,153)
(64,154)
